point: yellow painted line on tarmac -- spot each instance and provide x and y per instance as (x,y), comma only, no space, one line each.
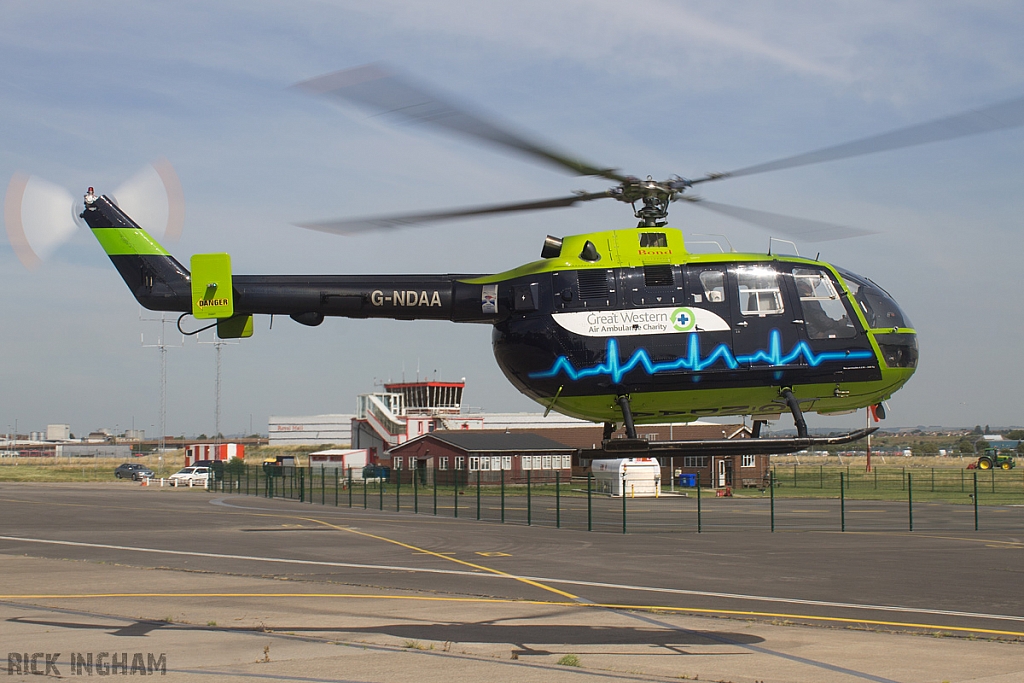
(543,603)
(480,567)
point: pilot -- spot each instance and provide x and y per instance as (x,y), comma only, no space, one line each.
(819,324)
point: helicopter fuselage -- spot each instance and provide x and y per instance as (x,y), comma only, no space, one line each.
(604,315)
(692,335)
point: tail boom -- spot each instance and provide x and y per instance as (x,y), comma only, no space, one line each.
(159,282)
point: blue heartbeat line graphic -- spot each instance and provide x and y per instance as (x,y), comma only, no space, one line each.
(693,360)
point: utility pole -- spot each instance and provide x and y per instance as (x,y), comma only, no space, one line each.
(163,371)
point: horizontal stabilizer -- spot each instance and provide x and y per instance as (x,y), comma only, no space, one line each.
(238,327)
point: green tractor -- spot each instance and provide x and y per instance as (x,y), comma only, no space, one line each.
(993,458)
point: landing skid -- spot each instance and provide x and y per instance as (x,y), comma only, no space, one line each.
(617,448)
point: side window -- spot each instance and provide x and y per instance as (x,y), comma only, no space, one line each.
(758,290)
(823,311)
(713,284)
(656,240)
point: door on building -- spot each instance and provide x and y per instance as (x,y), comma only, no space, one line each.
(420,470)
(721,473)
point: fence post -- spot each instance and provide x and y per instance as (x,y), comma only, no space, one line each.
(435,493)
(415,492)
(336,482)
(771,487)
(698,506)
(910,499)
(323,485)
(380,490)
(350,487)
(842,502)
(302,485)
(529,500)
(365,496)
(398,489)
(478,495)
(975,496)
(821,476)
(933,480)
(623,505)
(558,500)
(590,509)
(503,496)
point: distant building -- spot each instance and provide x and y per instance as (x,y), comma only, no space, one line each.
(58,432)
(310,430)
(98,450)
(464,456)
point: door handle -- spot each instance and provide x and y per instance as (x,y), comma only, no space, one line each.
(742,323)
(798,322)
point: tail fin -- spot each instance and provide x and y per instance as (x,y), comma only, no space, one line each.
(154,277)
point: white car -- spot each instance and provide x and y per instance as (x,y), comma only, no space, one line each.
(198,476)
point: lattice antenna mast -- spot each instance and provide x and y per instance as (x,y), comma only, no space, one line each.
(160,344)
(217,344)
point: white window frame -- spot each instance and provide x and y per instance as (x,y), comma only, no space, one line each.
(749,461)
(566,462)
(397,462)
(545,462)
(460,462)
(506,462)
(767,297)
(527,462)
(474,463)
(442,462)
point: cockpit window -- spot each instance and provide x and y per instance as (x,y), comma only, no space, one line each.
(823,311)
(713,283)
(758,289)
(878,307)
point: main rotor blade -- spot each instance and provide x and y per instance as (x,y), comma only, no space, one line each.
(801,228)
(1008,114)
(377,89)
(358,225)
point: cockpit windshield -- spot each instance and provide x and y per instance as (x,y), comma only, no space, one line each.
(878,307)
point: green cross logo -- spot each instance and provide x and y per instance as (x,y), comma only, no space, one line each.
(683,319)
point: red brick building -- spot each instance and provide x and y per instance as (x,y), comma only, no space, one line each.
(462,456)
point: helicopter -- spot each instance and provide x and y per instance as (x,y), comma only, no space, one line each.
(617,326)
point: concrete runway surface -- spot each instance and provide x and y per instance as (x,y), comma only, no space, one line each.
(115,578)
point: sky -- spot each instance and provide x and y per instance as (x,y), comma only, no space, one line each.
(92,92)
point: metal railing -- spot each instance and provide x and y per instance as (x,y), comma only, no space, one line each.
(896,499)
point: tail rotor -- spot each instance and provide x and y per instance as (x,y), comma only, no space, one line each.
(40,216)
